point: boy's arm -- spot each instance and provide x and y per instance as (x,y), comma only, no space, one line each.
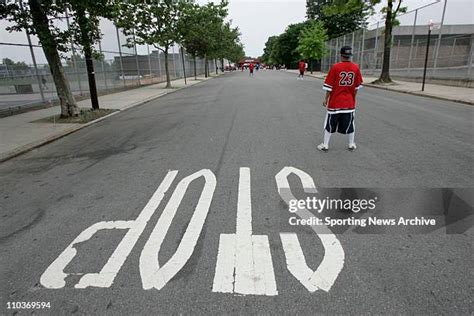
(326,100)
(328,84)
(359,81)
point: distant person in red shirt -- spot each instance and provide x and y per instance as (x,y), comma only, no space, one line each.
(251,66)
(341,85)
(302,68)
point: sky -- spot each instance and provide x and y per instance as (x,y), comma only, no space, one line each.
(258,20)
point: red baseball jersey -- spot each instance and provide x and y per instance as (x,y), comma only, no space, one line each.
(342,81)
(302,66)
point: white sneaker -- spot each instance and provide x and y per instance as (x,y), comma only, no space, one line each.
(323,147)
(352,147)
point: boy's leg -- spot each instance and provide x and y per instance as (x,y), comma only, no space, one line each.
(327,138)
(351,140)
(351,133)
(329,127)
(324,146)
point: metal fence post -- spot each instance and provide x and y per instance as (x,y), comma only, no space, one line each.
(184,64)
(330,55)
(322,64)
(73,58)
(352,42)
(438,44)
(376,48)
(120,58)
(174,63)
(451,56)
(103,66)
(412,39)
(470,60)
(392,39)
(33,58)
(159,63)
(188,58)
(136,59)
(362,48)
(149,61)
(396,55)
(416,48)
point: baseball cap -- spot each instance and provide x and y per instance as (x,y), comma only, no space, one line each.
(346,51)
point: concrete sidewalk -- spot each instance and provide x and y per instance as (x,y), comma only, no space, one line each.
(18,133)
(448,93)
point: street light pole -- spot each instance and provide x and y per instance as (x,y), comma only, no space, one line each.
(426,56)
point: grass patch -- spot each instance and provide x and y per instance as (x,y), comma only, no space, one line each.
(85,116)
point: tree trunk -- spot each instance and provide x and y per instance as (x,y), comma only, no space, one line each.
(385,74)
(168,79)
(50,49)
(195,70)
(222,64)
(86,45)
(311,66)
(205,66)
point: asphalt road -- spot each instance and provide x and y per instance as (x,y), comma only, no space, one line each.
(108,172)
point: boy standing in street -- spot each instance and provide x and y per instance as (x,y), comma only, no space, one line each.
(251,66)
(341,85)
(301,68)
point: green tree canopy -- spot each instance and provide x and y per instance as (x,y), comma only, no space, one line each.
(204,32)
(152,23)
(312,41)
(338,17)
(268,49)
(284,48)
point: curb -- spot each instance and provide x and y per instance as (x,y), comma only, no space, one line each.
(420,94)
(28,147)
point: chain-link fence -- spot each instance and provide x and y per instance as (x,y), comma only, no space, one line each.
(450,53)
(26,81)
